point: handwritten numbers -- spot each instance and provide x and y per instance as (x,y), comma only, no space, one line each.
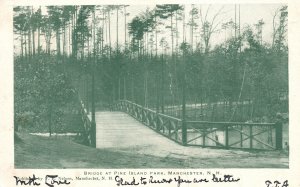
(285,183)
(276,183)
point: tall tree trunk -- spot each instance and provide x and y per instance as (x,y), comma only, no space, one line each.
(119,88)
(172,36)
(50,119)
(58,43)
(48,40)
(124,87)
(240,46)
(176,34)
(157,86)
(183,25)
(47,43)
(33,36)
(64,41)
(156,40)
(39,40)
(146,88)
(132,87)
(192,29)
(29,43)
(93,124)
(22,50)
(109,35)
(33,42)
(87,99)
(69,38)
(125,26)
(106,34)
(117,30)
(82,43)
(39,35)
(25,44)
(162,85)
(74,34)
(102,38)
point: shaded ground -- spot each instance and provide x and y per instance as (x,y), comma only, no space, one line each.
(62,152)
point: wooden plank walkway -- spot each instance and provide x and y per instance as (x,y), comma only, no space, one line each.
(119,130)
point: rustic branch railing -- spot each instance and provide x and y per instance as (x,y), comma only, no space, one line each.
(86,123)
(266,136)
(234,135)
(167,126)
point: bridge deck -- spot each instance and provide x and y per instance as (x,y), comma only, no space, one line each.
(119,131)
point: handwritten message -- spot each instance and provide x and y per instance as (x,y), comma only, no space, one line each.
(177,180)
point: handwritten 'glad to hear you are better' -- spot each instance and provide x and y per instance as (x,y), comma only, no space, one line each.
(179,180)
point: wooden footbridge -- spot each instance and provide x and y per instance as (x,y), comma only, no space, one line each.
(127,124)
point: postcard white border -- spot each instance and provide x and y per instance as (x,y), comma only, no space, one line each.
(249,177)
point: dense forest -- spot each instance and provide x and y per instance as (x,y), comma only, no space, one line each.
(159,58)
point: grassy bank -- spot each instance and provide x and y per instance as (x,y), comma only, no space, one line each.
(62,152)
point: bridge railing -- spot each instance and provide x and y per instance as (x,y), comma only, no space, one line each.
(167,126)
(265,136)
(86,122)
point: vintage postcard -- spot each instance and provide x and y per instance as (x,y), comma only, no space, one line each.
(149,93)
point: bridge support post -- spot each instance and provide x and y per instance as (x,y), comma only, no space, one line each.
(183,118)
(184,133)
(93,122)
(93,134)
(226,137)
(278,135)
(251,136)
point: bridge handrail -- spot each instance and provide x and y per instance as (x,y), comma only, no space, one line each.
(140,106)
(193,132)
(170,117)
(150,110)
(86,121)
(231,123)
(166,125)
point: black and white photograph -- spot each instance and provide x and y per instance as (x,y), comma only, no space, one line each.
(151,86)
(149,93)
